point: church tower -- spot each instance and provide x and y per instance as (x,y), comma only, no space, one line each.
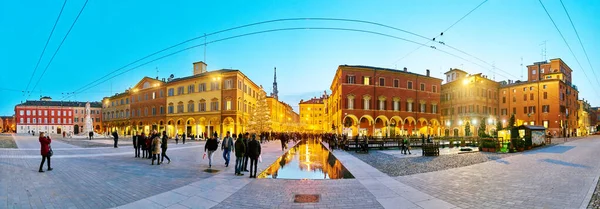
(275,91)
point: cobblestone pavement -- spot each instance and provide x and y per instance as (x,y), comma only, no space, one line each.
(560,176)
(395,165)
(88,178)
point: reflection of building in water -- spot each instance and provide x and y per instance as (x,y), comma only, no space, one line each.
(312,156)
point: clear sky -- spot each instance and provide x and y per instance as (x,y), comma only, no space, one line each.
(111,34)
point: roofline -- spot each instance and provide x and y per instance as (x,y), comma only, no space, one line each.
(388,69)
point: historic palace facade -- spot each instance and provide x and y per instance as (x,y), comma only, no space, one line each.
(547,98)
(384,102)
(468,100)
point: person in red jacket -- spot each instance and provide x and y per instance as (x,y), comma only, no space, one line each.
(45,150)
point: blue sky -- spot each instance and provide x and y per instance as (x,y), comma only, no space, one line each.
(111,34)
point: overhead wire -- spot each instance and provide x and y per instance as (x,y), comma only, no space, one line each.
(45,45)
(568,46)
(580,43)
(463,17)
(59,46)
(245,26)
(268,31)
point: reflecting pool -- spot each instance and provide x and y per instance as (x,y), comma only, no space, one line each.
(309,159)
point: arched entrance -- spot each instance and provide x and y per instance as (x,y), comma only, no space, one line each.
(76,129)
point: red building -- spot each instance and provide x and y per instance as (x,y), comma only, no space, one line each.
(49,116)
(384,102)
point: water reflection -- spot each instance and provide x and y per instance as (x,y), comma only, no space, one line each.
(309,159)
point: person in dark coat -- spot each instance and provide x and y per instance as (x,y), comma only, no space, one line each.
(140,144)
(183,138)
(163,146)
(240,149)
(136,150)
(246,140)
(253,154)
(115,138)
(211,146)
(148,142)
(45,150)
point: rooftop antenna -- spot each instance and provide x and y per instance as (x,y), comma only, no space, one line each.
(543,50)
(521,68)
(494,70)
(157,73)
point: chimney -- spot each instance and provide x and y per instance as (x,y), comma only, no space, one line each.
(427,74)
(405,69)
(199,67)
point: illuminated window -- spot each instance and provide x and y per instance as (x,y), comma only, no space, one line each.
(366,80)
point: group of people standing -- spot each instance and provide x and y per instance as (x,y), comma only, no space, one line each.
(153,146)
(245,148)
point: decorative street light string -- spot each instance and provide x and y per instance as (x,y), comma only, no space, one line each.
(45,45)
(268,31)
(57,49)
(568,46)
(442,33)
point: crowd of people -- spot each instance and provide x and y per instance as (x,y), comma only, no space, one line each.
(153,146)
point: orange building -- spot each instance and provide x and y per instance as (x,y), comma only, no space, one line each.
(377,101)
(313,114)
(283,116)
(148,105)
(547,98)
(468,100)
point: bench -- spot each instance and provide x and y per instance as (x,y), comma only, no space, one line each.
(431,149)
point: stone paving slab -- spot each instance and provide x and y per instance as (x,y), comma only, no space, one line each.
(386,189)
(559,176)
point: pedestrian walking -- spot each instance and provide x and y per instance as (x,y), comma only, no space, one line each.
(115,138)
(240,149)
(91,135)
(226,148)
(253,154)
(176,138)
(211,146)
(163,145)
(156,148)
(64,134)
(140,144)
(183,138)
(45,150)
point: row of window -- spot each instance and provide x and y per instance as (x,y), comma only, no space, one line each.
(470,109)
(39,112)
(383,105)
(530,110)
(469,93)
(531,97)
(58,120)
(366,80)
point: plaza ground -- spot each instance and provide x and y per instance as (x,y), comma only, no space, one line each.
(560,176)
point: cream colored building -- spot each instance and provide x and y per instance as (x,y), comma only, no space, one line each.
(115,113)
(283,116)
(208,102)
(313,114)
(583,121)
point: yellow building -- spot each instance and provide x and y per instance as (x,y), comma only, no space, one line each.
(115,113)
(313,114)
(282,115)
(468,100)
(583,121)
(209,102)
